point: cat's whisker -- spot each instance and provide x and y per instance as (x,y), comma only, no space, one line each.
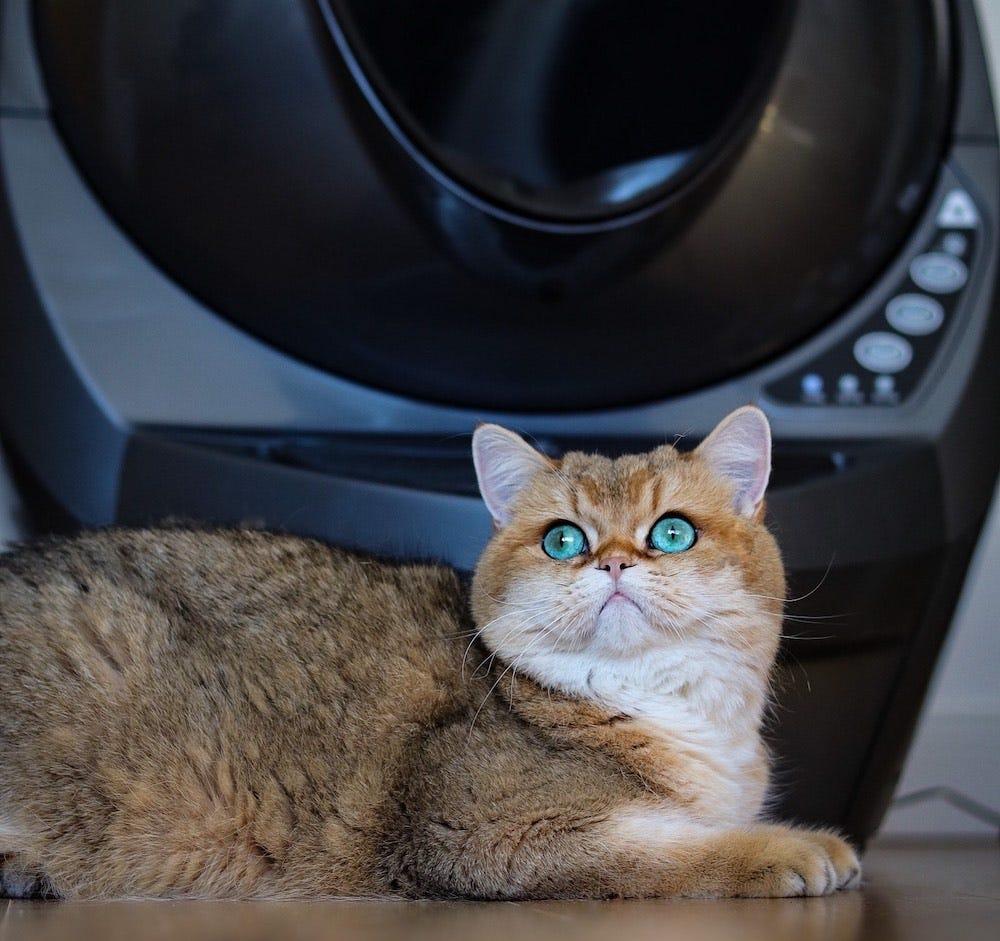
(517,660)
(813,618)
(476,634)
(808,594)
(562,633)
(707,620)
(516,604)
(518,628)
(485,665)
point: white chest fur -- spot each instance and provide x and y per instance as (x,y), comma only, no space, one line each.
(701,702)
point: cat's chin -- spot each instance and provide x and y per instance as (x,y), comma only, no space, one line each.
(623,629)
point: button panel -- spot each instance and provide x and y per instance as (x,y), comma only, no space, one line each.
(881,362)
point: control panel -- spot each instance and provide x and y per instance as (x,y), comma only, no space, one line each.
(881,362)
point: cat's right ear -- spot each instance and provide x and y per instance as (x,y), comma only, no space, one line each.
(739,451)
(505,462)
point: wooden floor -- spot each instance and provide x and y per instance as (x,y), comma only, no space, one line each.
(911,892)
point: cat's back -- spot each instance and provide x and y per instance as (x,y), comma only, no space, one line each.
(114,609)
(232,580)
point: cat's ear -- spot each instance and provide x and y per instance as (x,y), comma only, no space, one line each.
(505,462)
(739,450)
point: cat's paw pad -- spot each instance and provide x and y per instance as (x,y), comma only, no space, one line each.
(798,862)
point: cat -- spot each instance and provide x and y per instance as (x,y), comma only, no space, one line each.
(241,714)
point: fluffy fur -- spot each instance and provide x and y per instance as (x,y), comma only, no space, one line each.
(239,714)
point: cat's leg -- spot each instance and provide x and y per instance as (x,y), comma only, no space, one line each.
(762,861)
(756,862)
(630,855)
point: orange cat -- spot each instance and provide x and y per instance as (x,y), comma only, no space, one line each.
(240,714)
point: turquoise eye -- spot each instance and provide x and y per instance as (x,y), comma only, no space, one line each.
(672,534)
(564,541)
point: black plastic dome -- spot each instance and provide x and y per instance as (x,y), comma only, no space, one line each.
(568,111)
(510,204)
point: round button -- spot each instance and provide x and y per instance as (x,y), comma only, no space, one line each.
(914,314)
(939,272)
(883,352)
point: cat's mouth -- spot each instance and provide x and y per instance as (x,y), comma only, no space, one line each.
(618,597)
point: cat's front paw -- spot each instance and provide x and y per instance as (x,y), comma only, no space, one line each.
(777,862)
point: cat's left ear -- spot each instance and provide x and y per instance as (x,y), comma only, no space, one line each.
(739,450)
(505,462)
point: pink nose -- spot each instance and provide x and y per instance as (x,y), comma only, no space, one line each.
(615,566)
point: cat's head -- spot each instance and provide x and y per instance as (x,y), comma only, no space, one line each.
(615,558)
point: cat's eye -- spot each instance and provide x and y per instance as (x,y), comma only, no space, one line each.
(564,541)
(672,534)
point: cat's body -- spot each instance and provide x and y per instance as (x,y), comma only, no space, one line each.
(241,714)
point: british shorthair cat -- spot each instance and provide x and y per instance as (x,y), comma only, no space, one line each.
(240,714)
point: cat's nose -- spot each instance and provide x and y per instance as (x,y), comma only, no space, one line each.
(615,566)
